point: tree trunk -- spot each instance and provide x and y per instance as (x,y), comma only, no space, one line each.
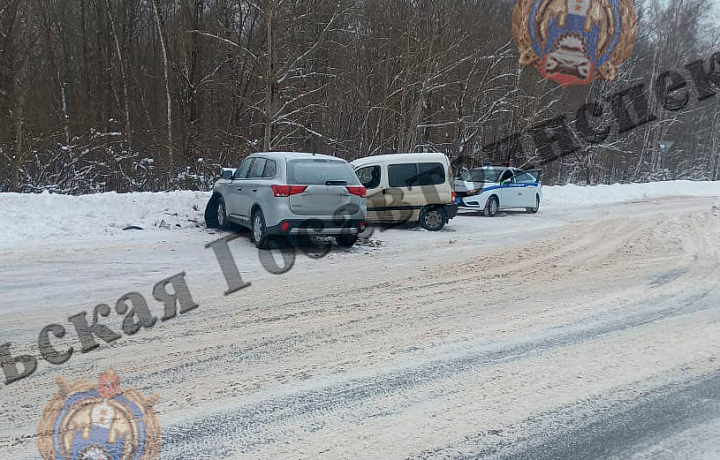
(269,78)
(158,21)
(20,82)
(126,108)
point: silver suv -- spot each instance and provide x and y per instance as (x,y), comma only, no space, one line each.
(299,194)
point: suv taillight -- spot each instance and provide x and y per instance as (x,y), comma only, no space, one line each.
(287,190)
(359,191)
(452,197)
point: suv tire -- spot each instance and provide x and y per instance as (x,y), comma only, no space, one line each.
(211,217)
(221,215)
(347,240)
(259,231)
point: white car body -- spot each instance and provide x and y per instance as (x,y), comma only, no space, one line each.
(513,188)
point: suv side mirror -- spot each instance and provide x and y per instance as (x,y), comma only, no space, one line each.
(227,174)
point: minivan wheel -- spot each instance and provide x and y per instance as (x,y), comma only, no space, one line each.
(492,206)
(221,214)
(433,219)
(537,206)
(259,231)
(347,240)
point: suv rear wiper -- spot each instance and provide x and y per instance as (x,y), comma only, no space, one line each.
(336,182)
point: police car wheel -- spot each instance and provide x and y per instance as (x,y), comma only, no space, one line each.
(492,206)
(537,206)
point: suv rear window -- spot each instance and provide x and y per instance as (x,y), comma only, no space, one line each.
(319,171)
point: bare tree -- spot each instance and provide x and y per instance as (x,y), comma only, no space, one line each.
(166,65)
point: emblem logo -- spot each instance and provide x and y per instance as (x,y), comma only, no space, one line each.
(102,421)
(575,41)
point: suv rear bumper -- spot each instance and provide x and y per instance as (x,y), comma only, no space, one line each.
(318,227)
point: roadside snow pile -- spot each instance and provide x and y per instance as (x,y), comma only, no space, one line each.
(577,195)
(49,216)
(35,217)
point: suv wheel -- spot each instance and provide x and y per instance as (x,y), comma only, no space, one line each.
(347,240)
(211,217)
(492,206)
(537,206)
(433,219)
(221,214)
(259,231)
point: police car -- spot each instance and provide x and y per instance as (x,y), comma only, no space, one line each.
(493,188)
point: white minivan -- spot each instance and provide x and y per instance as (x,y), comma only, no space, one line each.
(408,187)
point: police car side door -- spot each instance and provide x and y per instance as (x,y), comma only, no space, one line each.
(508,193)
(527,184)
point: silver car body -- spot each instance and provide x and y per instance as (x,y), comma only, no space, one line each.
(326,206)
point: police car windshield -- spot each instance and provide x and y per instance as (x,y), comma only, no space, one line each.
(481,175)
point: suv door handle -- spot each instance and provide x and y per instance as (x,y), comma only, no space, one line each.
(254,191)
(239,190)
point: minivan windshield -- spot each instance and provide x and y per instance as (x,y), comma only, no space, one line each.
(481,175)
(320,171)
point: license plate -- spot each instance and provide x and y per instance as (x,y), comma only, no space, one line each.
(331,199)
(458,200)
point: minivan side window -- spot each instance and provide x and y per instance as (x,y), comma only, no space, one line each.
(431,173)
(244,168)
(270,169)
(369,176)
(257,168)
(416,174)
(402,175)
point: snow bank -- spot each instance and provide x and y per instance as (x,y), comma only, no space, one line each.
(50,216)
(577,195)
(36,217)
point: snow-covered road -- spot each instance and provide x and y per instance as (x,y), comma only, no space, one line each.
(588,333)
